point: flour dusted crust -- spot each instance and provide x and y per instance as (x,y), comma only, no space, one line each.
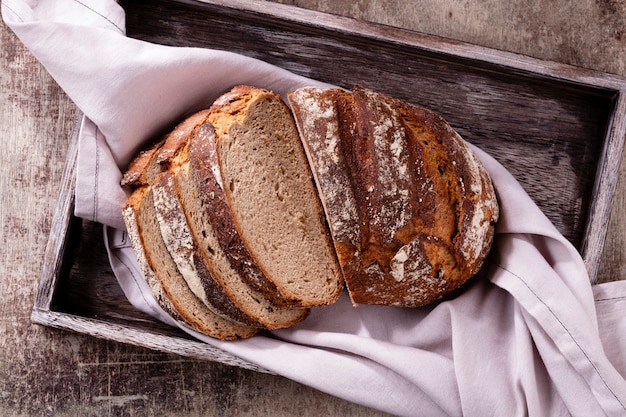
(410,208)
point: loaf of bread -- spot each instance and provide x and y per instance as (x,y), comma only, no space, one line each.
(411,209)
(253,211)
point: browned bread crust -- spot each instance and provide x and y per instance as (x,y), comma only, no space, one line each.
(142,168)
(411,209)
(168,286)
(147,178)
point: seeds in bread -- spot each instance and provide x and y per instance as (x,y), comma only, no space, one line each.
(270,192)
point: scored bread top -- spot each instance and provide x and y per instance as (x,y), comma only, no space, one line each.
(418,218)
(268,186)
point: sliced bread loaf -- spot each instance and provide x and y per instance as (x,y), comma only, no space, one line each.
(270,192)
(202,201)
(135,176)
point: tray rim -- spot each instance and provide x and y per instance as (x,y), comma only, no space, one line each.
(591,248)
(526,65)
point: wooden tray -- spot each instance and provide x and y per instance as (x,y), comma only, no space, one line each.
(558,129)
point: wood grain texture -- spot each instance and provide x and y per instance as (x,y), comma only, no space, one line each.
(48,372)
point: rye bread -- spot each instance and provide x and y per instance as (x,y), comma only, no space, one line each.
(148,171)
(271,195)
(206,215)
(410,207)
(135,176)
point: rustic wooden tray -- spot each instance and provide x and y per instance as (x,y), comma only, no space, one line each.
(558,129)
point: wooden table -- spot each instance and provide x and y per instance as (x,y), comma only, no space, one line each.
(50,372)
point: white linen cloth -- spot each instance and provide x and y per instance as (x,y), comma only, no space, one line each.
(529,336)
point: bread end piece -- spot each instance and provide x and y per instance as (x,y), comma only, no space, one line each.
(410,207)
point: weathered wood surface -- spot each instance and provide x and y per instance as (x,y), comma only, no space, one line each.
(48,372)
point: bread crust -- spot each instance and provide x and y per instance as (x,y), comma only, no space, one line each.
(132,229)
(169,287)
(422,208)
(147,175)
(410,209)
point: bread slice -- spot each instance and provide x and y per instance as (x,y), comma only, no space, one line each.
(168,283)
(185,253)
(326,120)
(160,271)
(268,186)
(410,208)
(206,211)
(202,173)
